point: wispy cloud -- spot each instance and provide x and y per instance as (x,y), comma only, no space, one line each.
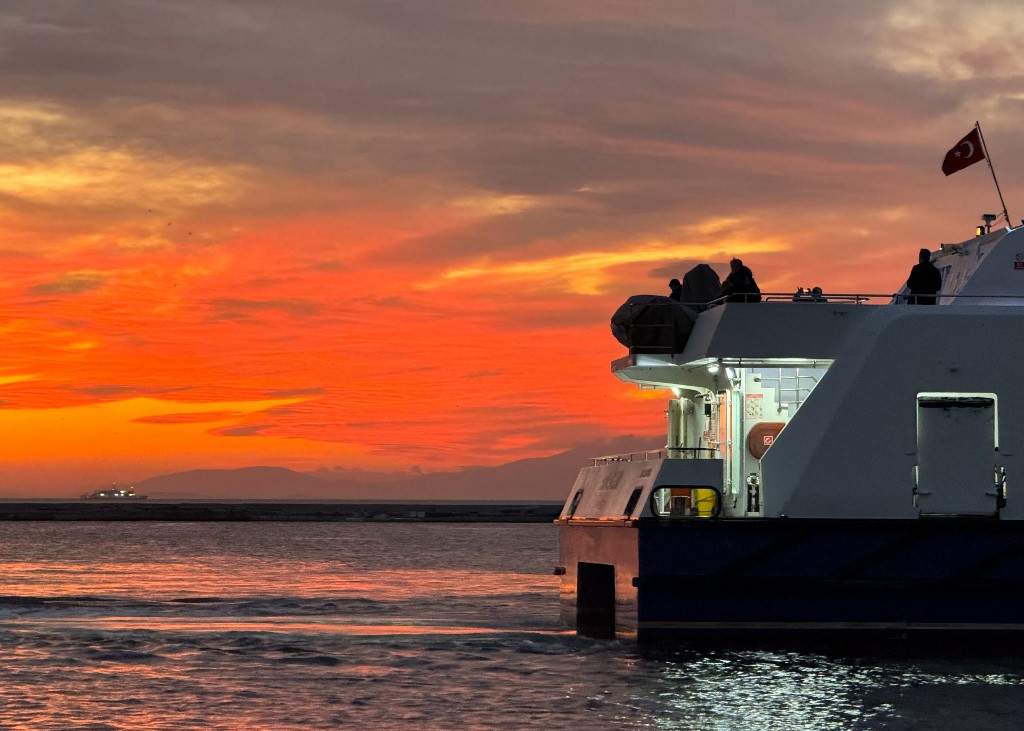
(238,308)
(189,418)
(249,430)
(346,230)
(71,283)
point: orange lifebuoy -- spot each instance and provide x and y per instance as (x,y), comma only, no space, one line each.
(761,436)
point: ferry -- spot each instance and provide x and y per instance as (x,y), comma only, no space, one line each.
(114,492)
(839,467)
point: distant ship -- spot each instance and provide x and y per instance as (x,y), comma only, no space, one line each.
(115,493)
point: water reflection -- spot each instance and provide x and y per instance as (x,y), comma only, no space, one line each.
(265,624)
(774,690)
(290,626)
(240,577)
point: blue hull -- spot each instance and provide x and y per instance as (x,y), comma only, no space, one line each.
(764,578)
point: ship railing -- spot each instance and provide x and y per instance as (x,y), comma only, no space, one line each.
(802,296)
(692,452)
(659,328)
(649,455)
(847,298)
(663,327)
(898,298)
(652,455)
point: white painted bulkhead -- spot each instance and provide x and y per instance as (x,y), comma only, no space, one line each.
(911,410)
(852,447)
(852,451)
(878,490)
(621,488)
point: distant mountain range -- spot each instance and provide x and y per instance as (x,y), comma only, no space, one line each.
(539,479)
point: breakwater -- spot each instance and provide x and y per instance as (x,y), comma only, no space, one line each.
(287,510)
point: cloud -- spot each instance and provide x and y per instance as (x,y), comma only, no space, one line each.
(360,208)
(329,266)
(288,393)
(952,42)
(243,308)
(250,430)
(71,283)
(61,170)
(110,390)
(591,272)
(198,417)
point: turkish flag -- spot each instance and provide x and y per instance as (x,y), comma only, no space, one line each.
(966,152)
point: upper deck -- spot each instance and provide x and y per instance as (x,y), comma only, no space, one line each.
(675,342)
(771,333)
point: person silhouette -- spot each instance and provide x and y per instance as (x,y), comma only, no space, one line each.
(677,290)
(925,280)
(740,286)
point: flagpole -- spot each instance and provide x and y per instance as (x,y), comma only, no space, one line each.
(988,159)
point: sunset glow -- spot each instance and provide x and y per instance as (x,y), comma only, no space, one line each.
(391,236)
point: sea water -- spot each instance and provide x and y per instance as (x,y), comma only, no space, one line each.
(400,626)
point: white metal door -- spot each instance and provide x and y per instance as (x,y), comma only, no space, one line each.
(956,454)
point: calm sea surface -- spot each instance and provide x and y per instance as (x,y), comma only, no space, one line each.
(398,626)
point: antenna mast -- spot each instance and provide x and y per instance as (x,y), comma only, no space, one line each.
(988,159)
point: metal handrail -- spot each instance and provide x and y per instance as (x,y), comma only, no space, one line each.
(652,454)
(631,457)
(857,298)
(843,298)
(666,337)
(823,298)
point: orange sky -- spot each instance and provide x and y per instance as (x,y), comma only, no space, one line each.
(390,235)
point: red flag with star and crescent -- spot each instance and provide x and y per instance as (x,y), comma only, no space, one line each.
(965,152)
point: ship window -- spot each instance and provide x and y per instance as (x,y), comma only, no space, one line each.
(792,386)
(575,502)
(686,501)
(634,498)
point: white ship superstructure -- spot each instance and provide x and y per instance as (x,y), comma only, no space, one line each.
(838,464)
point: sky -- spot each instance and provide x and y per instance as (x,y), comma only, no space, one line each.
(389,235)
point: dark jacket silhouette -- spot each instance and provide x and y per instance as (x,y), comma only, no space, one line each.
(924,281)
(740,286)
